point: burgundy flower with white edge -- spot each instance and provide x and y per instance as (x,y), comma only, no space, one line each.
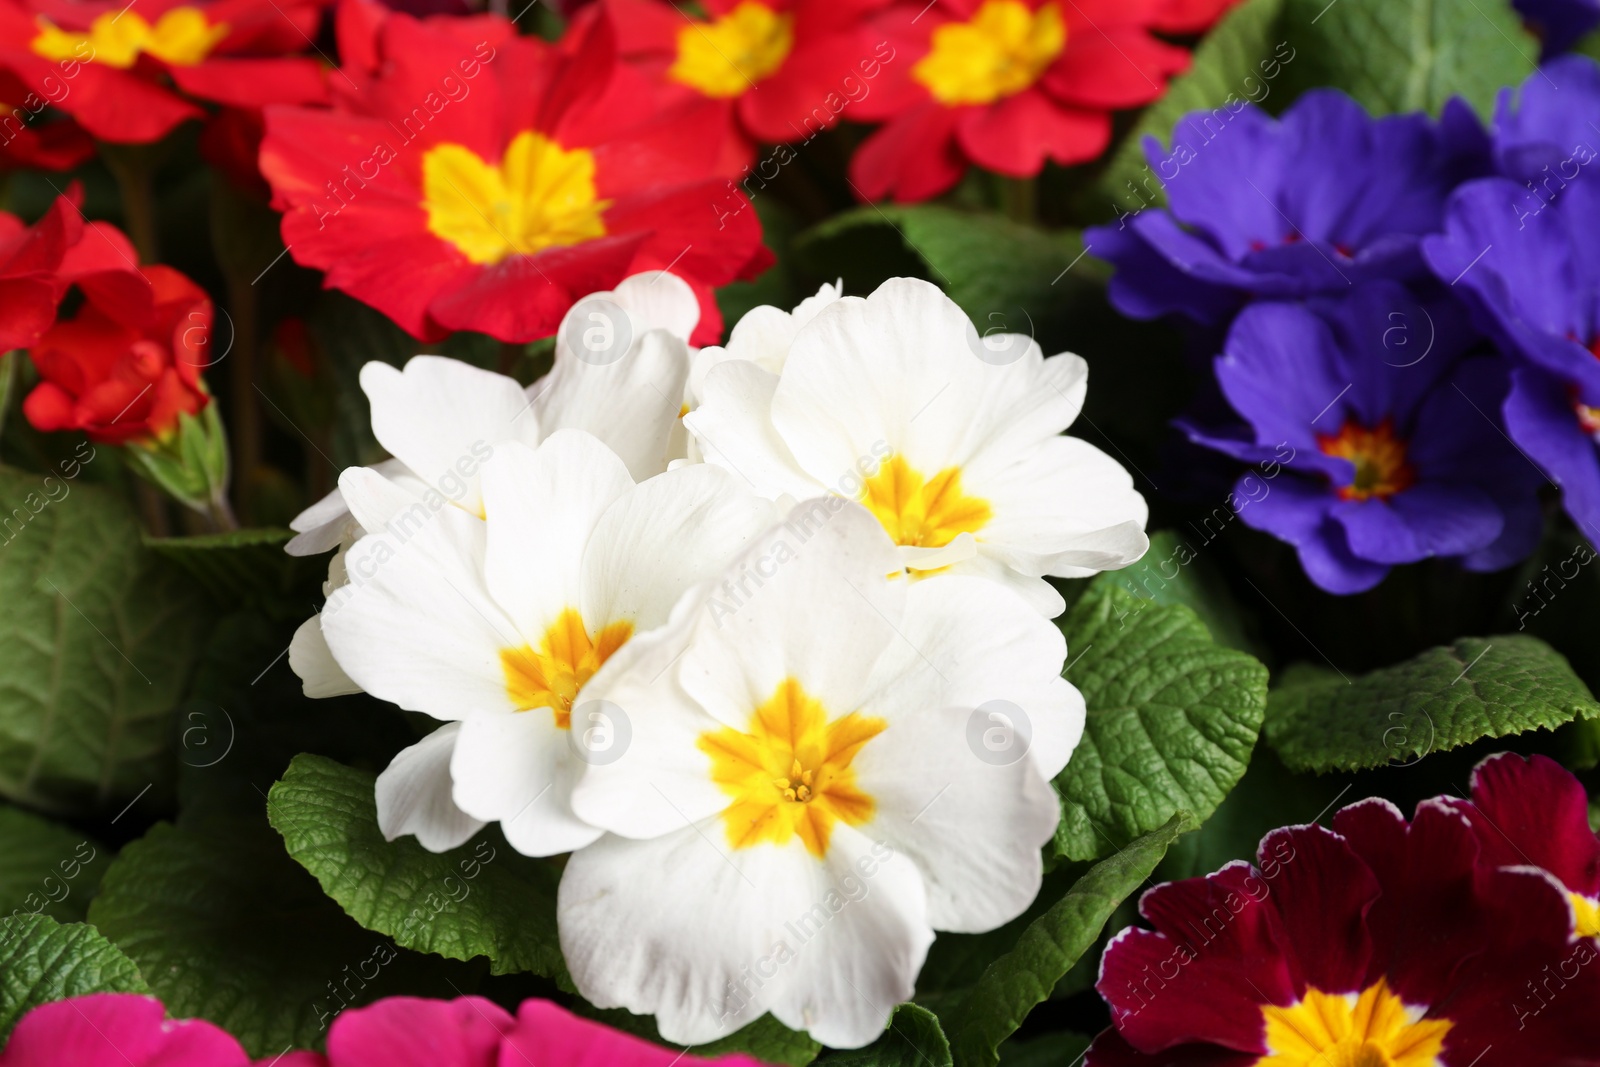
(1377,943)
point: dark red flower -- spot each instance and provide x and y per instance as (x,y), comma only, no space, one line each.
(1005,84)
(1533,813)
(471,179)
(1378,943)
(129,362)
(112,66)
(775,71)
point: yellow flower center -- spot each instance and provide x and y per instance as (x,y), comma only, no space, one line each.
(729,55)
(923,512)
(567,657)
(789,773)
(1588,912)
(1375,1029)
(1000,52)
(539,196)
(182,37)
(1379,457)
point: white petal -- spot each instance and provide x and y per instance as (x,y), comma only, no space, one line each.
(973,828)
(518,770)
(662,299)
(680,928)
(416,625)
(442,418)
(1039,594)
(1064,508)
(661,779)
(859,945)
(319,527)
(659,539)
(413,795)
(310,658)
(542,506)
(374,501)
(811,600)
(733,428)
(632,404)
(903,367)
(972,644)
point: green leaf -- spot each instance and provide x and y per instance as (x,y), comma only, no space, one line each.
(49,869)
(1446,697)
(1174,572)
(42,960)
(1172,718)
(1024,977)
(482,899)
(226,927)
(96,643)
(913,1039)
(1239,60)
(248,568)
(1005,275)
(1397,57)
(1051,1050)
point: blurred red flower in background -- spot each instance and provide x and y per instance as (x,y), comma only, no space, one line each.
(775,70)
(470,179)
(129,362)
(30,262)
(1190,16)
(109,65)
(31,138)
(1005,84)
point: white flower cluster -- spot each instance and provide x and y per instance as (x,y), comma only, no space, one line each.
(785,686)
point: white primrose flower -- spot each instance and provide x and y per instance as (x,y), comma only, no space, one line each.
(441,418)
(813,787)
(497,625)
(762,337)
(953,441)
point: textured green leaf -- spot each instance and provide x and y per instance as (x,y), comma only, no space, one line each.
(226,927)
(1446,697)
(96,643)
(1395,57)
(1172,718)
(1239,60)
(1175,572)
(482,899)
(1005,275)
(1013,984)
(48,869)
(247,568)
(913,1039)
(766,1039)
(42,960)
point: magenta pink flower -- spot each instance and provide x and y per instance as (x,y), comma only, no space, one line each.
(125,1030)
(117,1030)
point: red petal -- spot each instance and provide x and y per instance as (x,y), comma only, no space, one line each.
(914,157)
(1531,811)
(1015,135)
